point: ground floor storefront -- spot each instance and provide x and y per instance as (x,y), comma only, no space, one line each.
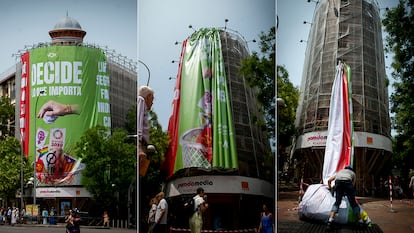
(235,202)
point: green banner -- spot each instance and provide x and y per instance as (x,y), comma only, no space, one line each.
(205,122)
(69,93)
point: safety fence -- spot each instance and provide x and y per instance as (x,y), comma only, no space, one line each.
(85,221)
(179,230)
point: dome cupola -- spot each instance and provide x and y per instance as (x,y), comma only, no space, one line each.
(67,31)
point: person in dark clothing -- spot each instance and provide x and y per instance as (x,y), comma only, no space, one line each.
(344,186)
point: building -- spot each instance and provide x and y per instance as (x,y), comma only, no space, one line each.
(122,95)
(235,193)
(350,31)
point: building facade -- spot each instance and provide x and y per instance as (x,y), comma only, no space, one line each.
(350,31)
(235,195)
(122,94)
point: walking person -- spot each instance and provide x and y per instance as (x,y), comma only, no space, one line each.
(151,215)
(344,186)
(69,222)
(23,214)
(9,215)
(200,206)
(411,184)
(14,216)
(266,221)
(161,214)
(105,217)
(45,215)
(144,104)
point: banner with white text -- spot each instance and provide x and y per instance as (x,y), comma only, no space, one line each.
(68,93)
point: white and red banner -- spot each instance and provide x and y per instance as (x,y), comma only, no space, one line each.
(25,104)
(168,164)
(338,141)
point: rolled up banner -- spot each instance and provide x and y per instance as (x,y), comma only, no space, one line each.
(338,143)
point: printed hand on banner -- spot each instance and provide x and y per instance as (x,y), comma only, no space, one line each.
(52,108)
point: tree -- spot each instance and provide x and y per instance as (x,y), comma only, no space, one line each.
(286,112)
(10,167)
(6,116)
(400,42)
(110,165)
(160,140)
(260,74)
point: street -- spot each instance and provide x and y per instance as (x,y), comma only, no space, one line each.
(57,229)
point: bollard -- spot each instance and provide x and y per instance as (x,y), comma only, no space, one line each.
(390,185)
(300,190)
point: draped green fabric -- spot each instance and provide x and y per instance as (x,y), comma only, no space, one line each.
(206,131)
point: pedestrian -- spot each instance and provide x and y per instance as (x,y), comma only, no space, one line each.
(344,186)
(52,214)
(144,104)
(105,217)
(1,216)
(45,214)
(200,206)
(411,184)
(161,214)
(14,216)
(266,224)
(9,215)
(151,215)
(23,214)
(69,222)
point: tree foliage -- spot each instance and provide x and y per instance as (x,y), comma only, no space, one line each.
(11,159)
(286,112)
(6,116)
(400,41)
(110,164)
(10,167)
(259,71)
(160,140)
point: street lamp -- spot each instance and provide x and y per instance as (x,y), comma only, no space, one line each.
(21,174)
(34,145)
(149,73)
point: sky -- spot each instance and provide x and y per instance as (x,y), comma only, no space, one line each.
(148,33)
(291,30)
(106,22)
(162,23)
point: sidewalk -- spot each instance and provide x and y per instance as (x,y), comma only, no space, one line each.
(398,219)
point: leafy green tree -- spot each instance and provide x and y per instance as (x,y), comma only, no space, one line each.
(6,116)
(287,110)
(259,71)
(110,165)
(10,167)
(160,140)
(400,41)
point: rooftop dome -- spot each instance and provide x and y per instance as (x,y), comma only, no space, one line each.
(67,23)
(67,31)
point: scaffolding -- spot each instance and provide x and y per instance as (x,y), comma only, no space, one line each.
(350,31)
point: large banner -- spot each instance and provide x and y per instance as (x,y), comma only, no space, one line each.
(204,136)
(339,143)
(65,93)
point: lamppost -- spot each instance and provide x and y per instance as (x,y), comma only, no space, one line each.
(279,103)
(149,73)
(21,173)
(34,146)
